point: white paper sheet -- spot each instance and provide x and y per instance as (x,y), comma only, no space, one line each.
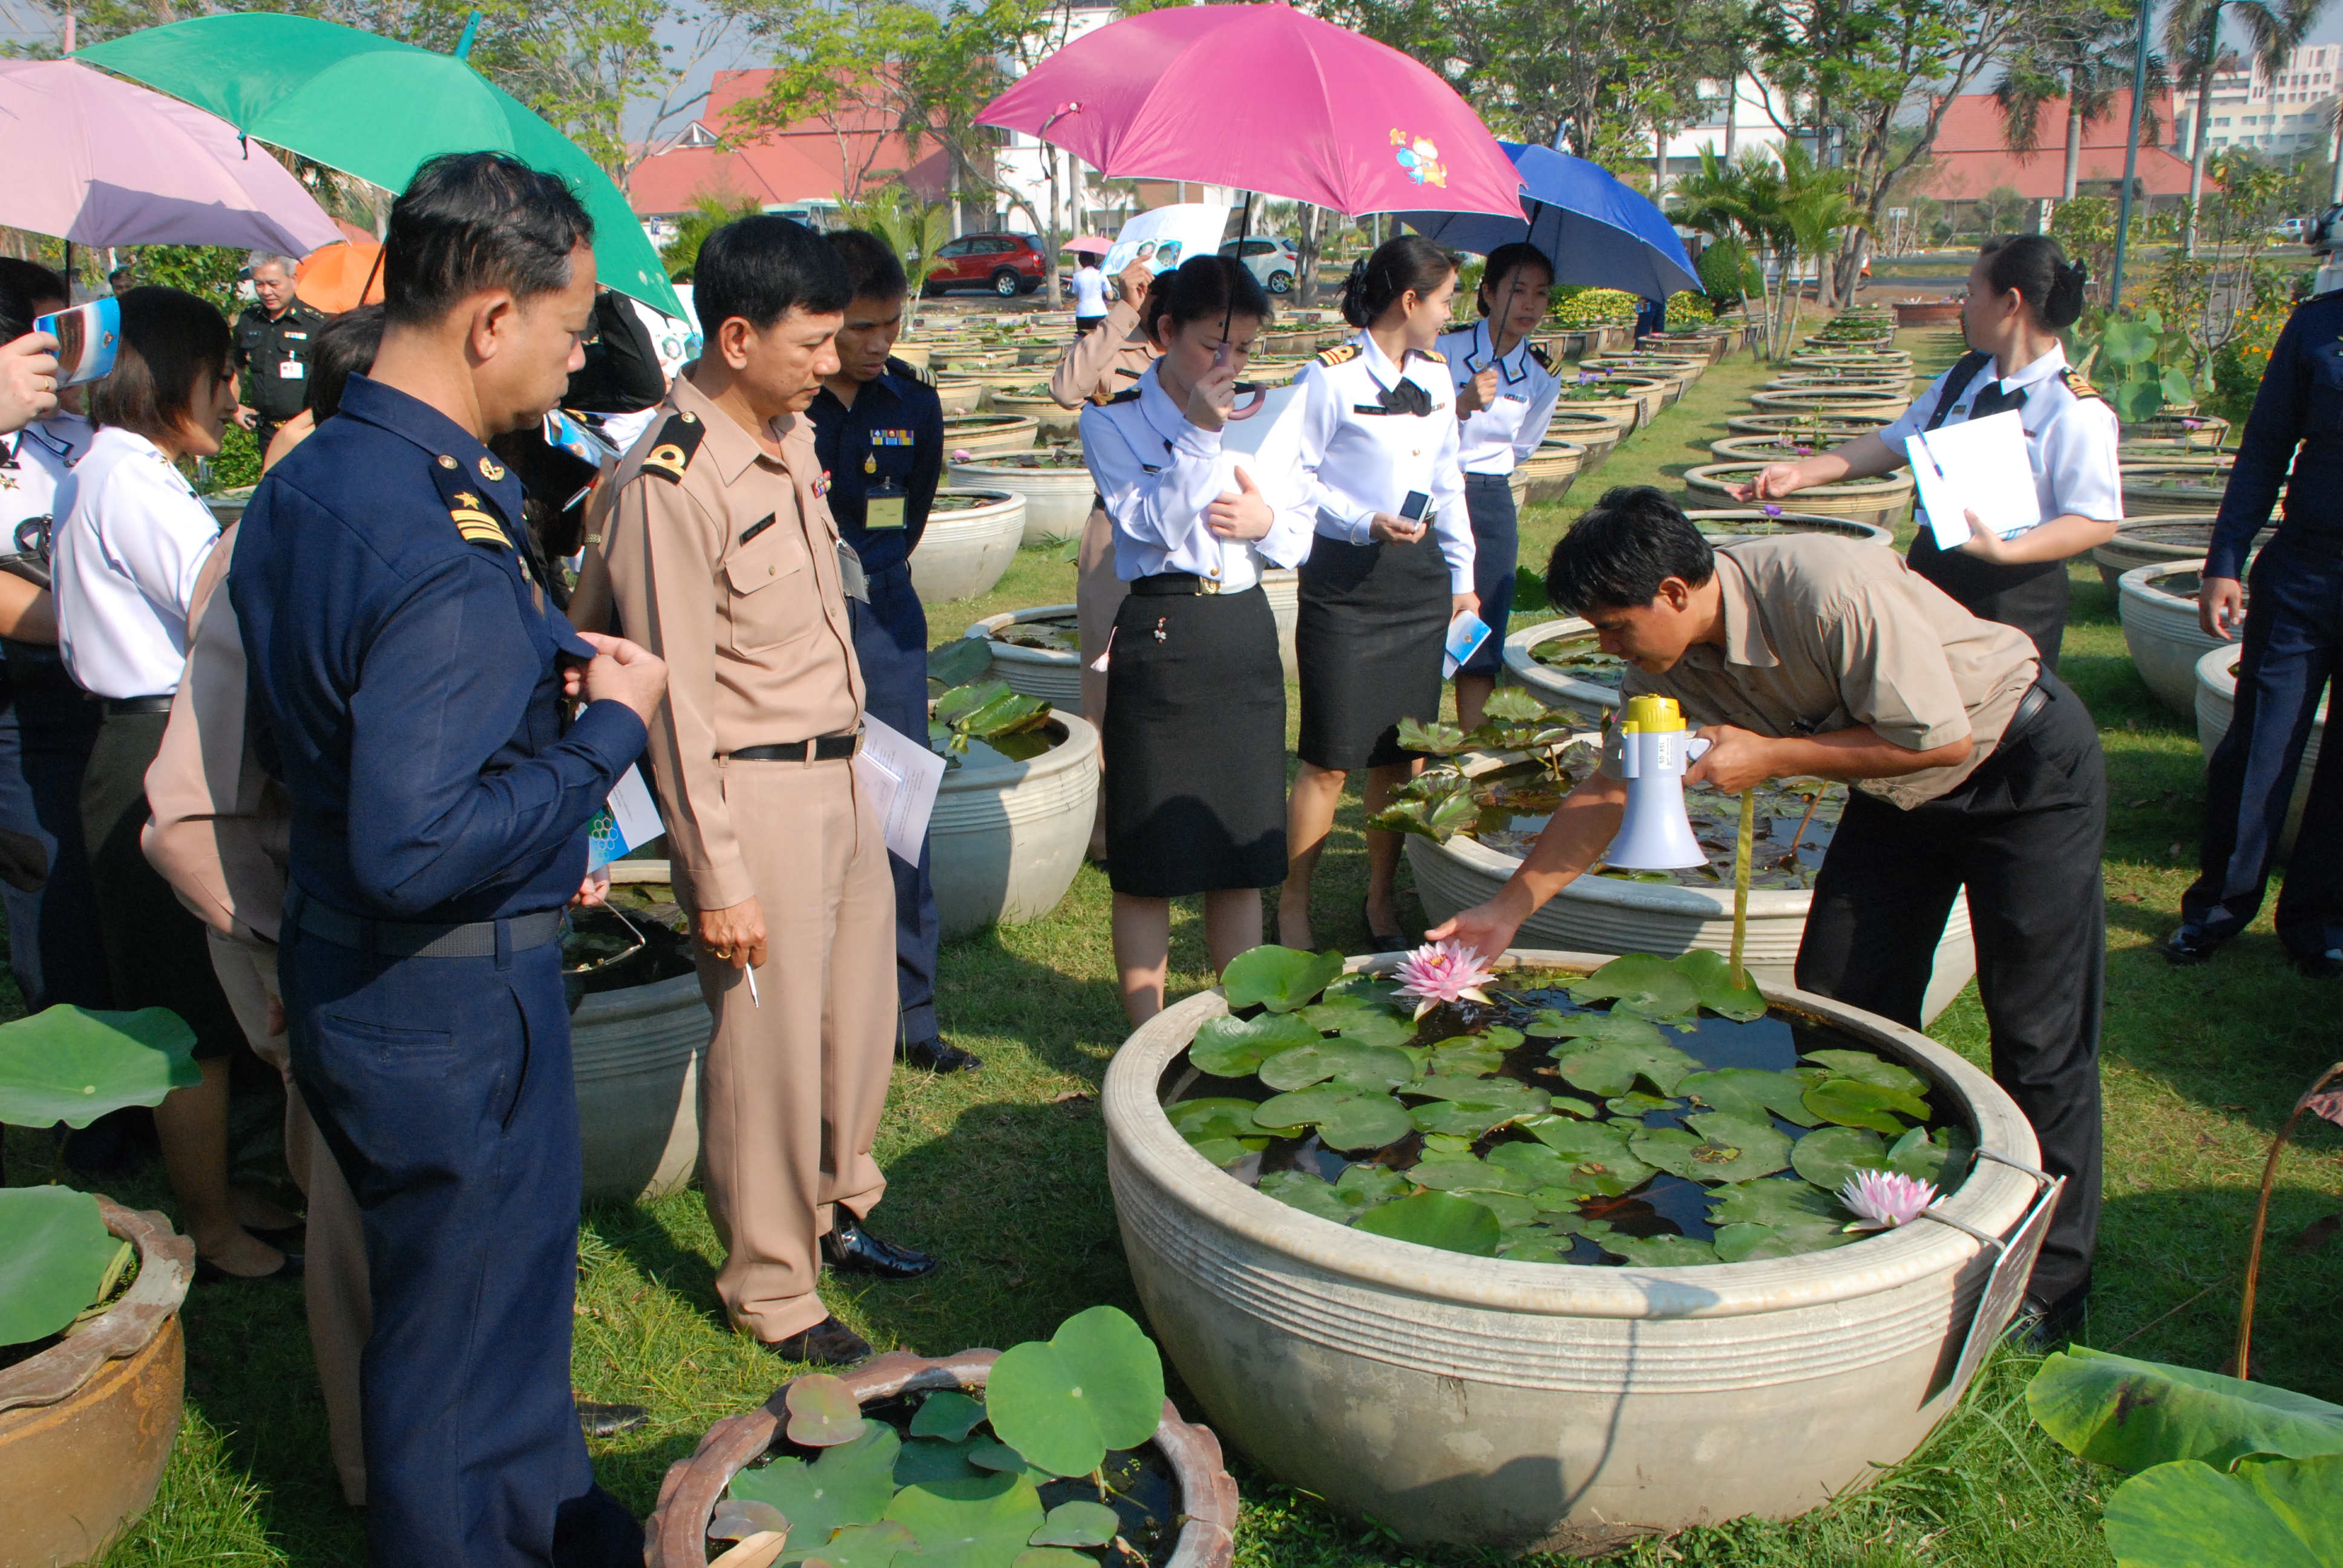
(1170,234)
(628,819)
(1980,466)
(901,775)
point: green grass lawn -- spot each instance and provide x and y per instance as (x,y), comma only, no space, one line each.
(1003,1173)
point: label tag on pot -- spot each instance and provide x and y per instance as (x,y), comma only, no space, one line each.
(2007,1285)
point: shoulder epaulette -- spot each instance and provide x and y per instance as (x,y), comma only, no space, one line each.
(1341,353)
(1538,353)
(919,372)
(2079,386)
(472,516)
(1128,395)
(1434,354)
(678,439)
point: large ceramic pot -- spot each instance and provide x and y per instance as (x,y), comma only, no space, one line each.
(676,1535)
(1520,1405)
(2157,607)
(2159,489)
(2153,542)
(1598,433)
(1549,472)
(1890,359)
(1053,674)
(1833,429)
(1654,393)
(1879,501)
(1058,422)
(1008,837)
(1572,343)
(1703,343)
(1057,496)
(2178,431)
(1827,400)
(636,1056)
(963,551)
(1927,312)
(2217,708)
(1282,585)
(86,1425)
(982,434)
(1630,412)
(959,396)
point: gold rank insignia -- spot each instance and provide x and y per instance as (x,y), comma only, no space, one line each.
(1434,354)
(2078,386)
(478,525)
(870,465)
(491,470)
(678,439)
(1340,354)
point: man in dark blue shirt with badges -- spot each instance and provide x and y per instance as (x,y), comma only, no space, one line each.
(879,431)
(411,681)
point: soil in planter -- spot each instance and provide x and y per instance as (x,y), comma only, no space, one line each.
(946,501)
(1609,1119)
(1065,455)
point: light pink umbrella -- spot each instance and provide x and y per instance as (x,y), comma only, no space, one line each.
(1090,244)
(1267,99)
(94,160)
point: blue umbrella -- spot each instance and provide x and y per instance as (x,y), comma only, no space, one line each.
(1595,229)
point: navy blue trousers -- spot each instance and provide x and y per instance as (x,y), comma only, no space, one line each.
(2285,656)
(891,642)
(1496,545)
(444,1089)
(46,730)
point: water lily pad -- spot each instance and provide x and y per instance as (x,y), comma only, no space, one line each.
(1057,1556)
(1464,1174)
(1364,1186)
(1439,1220)
(1850,1103)
(856,1546)
(1447,1143)
(1279,979)
(2112,1410)
(1864,1068)
(986,1455)
(1512,704)
(1598,1153)
(1535,1164)
(1359,986)
(1310,1195)
(948,1414)
(1233,1047)
(1374,1027)
(1747,1091)
(1718,1148)
(1830,1156)
(1775,1217)
(1512,1208)
(1434,739)
(1711,974)
(1659,1252)
(824,1412)
(58,1251)
(1346,1118)
(2280,1513)
(1641,983)
(1216,1116)
(1529,1245)
(72,1065)
(1344,1061)
(1941,1159)
(983,1524)
(849,1484)
(1472,1107)
(1619,1027)
(1469,1057)
(1611,1067)
(961,660)
(1062,1402)
(1226,1151)
(938,1459)
(1638,1103)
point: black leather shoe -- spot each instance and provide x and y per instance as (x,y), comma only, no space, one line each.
(2040,1327)
(210,1274)
(2191,945)
(2318,966)
(851,1250)
(937,1056)
(1382,942)
(610,1420)
(829,1344)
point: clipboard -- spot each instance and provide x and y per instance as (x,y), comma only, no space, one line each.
(1981,465)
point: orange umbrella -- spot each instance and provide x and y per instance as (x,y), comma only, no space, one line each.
(341,277)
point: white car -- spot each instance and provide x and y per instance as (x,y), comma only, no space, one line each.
(1271,258)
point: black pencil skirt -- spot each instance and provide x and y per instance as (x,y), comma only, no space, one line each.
(1372,619)
(1195,745)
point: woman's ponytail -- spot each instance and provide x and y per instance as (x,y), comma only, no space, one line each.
(1354,295)
(2036,267)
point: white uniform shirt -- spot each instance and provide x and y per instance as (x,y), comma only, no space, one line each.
(1357,459)
(1158,475)
(37,460)
(1500,438)
(1090,291)
(131,538)
(2070,439)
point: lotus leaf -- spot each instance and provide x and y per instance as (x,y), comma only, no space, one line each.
(2275,1513)
(1000,1456)
(856,1546)
(947,1414)
(1612,1028)
(1942,1160)
(68,1064)
(1279,979)
(1638,1103)
(1642,984)
(1432,739)
(1660,1252)
(1748,1092)
(1611,1067)
(1848,1102)
(982,1523)
(1234,1047)
(1439,1220)
(1775,1218)
(1376,1027)
(935,1459)
(736,1520)
(1598,1153)
(1062,1402)
(1711,974)
(1829,1157)
(1719,1148)
(849,1484)
(1864,1068)
(58,1254)
(1512,1208)
(1310,1195)
(1466,1174)
(2112,1410)
(1459,1114)
(1216,1116)
(1345,1062)
(824,1412)
(961,660)
(1346,1118)
(1364,1186)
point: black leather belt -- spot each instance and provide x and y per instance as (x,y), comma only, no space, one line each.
(423,939)
(1177,585)
(820,748)
(2030,708)
(116,705)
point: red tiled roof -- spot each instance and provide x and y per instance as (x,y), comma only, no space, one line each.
(801,164)
(1970,158)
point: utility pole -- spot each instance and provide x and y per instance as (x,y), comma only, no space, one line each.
(2131,154)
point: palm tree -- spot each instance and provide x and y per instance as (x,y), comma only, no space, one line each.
(2080,52)
(708,213)
(2192,35)
(1815,208)
(913,229)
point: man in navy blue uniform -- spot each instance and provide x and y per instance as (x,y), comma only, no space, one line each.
(879,431)
(2286,655)
(409,676)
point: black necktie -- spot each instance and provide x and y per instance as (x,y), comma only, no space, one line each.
(1407,398)
(1994,400)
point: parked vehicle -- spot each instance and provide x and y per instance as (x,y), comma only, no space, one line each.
(1006,264)
(2292,230)
(1271,258)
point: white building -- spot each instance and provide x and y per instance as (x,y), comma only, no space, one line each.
(2281,114)
(1750,114)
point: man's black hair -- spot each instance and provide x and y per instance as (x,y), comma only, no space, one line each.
(873,270)
(36,283)
(474,221)
(1618,554)
(761,268)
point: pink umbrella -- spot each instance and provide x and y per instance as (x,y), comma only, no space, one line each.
(1090,244)
(1263,98)
(94,160)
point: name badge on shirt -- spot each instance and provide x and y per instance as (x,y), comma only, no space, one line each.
(883,508)
(292,370)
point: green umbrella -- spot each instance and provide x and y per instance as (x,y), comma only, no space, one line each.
(378,109)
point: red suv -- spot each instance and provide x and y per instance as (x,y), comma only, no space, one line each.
(1006,264)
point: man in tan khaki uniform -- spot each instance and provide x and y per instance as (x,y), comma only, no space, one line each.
(723,555)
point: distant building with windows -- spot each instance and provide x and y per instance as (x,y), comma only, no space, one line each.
(2275,113)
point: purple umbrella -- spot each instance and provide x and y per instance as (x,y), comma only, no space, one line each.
(93,160)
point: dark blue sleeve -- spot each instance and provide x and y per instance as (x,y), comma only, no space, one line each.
(446,680)
(2273,430)
(927,461)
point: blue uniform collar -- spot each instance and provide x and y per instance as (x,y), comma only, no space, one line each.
(444,442)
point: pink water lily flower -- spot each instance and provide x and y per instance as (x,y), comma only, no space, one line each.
(961,455)
(1883,1199)
(1442,971)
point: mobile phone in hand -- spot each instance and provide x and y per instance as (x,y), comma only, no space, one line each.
(86,336)
(1414,506)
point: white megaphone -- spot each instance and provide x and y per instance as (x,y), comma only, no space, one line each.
(1649,749)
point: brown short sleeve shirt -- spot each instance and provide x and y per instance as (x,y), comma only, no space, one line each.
(1824,634)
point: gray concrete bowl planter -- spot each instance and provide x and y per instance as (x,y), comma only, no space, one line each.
(964,550)
(1008,837)
(1058,422)
(2181,485)
(981,434)
(2154,540)
(1058,489)
(676,1535)
(1598,433)
(1832,430)
(1632,412)
(1828,401)
(1880,502)
(637,1054)
(2157,607)
(2217,708)
(1547,473)
(1526,1405)
(1050,673)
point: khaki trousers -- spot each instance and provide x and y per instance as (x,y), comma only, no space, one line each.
(791,1098)
(334,1277)
(1097,594)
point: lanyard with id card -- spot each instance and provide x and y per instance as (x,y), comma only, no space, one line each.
(882,504)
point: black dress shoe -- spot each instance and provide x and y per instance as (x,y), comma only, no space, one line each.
(937,1056)
(610,1420)
(851,1250)
(2191,945)
(210,1274)
(2318,966)
(2040,1327)
(1382,942)
(829,1344)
